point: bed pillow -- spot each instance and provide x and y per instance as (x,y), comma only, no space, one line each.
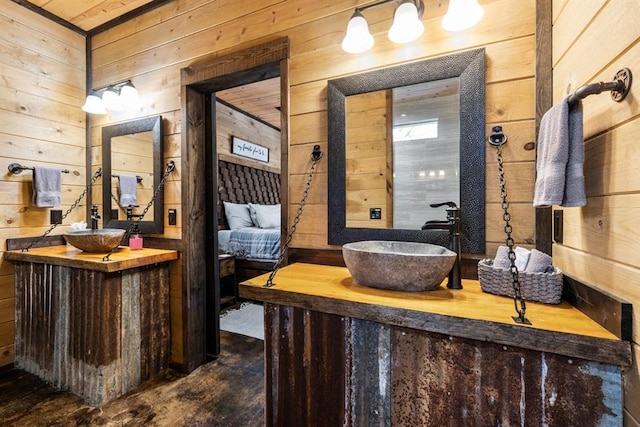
(266,216)
(238,215)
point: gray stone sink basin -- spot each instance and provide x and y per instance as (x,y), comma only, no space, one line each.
(398,266)
(100,240)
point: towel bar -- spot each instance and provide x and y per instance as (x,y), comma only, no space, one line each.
(138,178)
(17,168)
(619,88)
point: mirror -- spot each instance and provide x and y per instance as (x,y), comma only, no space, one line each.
(462,151)
(132,149)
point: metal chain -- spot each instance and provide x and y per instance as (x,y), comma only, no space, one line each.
(508,229)
(73,206)
(315,157)
(171,166)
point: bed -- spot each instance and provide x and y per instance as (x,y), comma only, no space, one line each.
(249,217)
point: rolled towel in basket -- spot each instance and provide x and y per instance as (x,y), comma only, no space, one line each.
(502,257)
(538,262)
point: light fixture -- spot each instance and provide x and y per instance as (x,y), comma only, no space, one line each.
(358,38)
(111,99)
(93,104)
(129,95)
(462,14)
(406,25)
(118,96)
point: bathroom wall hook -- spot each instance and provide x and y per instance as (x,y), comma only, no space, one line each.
(497,137)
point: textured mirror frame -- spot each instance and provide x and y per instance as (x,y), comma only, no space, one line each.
(153,124)
(469,66)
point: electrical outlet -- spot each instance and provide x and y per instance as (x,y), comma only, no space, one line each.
(375,213)
(56,217)
(557,225)
(172,217)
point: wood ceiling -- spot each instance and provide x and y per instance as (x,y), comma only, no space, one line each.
(260,100)
(89,14)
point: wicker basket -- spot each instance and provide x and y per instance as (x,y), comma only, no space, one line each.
(541,287)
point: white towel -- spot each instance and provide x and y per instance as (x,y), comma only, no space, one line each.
(559,167)
(47,184)
(127,186)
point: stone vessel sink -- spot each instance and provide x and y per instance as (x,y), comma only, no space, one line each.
(398,266)
(100,240)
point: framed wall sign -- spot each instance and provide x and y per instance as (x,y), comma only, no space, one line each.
(249,149)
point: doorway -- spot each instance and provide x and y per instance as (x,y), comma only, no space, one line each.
(200,275)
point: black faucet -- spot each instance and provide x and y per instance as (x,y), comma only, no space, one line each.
(94,217)
(452,224)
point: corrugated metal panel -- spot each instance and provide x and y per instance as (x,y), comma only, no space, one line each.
(306,374)
(95,334)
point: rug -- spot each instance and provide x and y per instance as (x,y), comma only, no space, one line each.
(246,320)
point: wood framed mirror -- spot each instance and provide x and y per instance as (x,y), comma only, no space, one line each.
(133,148)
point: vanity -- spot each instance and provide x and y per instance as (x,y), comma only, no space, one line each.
(96,328)
(338,353)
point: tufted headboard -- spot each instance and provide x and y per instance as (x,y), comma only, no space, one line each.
(244,184)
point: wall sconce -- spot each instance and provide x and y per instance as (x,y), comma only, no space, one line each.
(462,14)
(406,26)
(115,97)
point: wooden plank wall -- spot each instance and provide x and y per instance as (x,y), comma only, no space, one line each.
(151,50)
(230,123)
(601,241)
(43,88)
(366,159)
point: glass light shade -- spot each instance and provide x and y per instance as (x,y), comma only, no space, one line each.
(462,14)
(129,96)
(358,38)
(406,26)
(93,104)
(111,99)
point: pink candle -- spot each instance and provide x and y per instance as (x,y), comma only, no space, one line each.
(135,242)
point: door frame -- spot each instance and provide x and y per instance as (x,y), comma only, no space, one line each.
(198,83)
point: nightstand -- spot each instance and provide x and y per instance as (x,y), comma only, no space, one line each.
(228,283)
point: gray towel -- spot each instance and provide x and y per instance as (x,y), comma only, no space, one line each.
(522,257)
(127,186)
(559,167)
(502,260)
(47,184)
(538,262)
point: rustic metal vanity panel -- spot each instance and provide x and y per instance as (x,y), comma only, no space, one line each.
(305,359)
(96,334)
(370,376)
(444,380)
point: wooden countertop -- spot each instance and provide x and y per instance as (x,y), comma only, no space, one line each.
(468,313)
(68,256)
